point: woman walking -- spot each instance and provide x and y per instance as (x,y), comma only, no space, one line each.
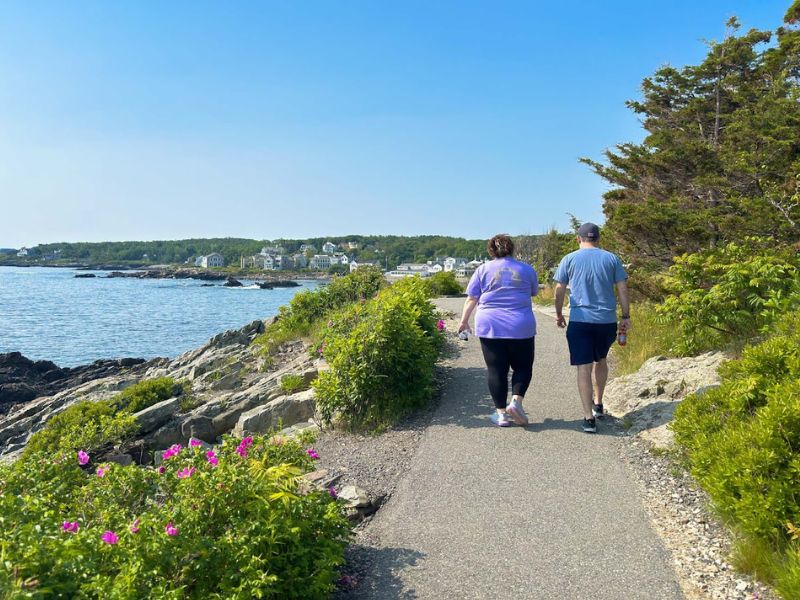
(501,290)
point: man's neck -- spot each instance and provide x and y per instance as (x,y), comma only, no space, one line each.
(588,245)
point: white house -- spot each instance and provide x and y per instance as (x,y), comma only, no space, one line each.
(451,263)
(328,248)
(474,264)
(22,252)
(308,248)
(352,245)
(436,268)
(354,264)
(320,261)
(340,259)
(214,259)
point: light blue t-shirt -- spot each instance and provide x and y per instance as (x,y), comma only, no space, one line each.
(591,274)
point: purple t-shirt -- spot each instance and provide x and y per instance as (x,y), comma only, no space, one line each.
(504,288)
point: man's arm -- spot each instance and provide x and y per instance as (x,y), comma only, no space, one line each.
(625,303)
(561,292)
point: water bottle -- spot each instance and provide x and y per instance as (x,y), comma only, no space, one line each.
(622,338)
(464,335)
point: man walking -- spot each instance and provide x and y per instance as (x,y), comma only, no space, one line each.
(591,274)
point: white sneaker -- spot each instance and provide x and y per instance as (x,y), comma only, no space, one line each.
(500,419)
(517,412)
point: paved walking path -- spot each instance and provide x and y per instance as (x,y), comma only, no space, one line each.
(542,512)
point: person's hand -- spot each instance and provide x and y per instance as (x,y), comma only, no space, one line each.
(464,327)
(624,324)
(561,321)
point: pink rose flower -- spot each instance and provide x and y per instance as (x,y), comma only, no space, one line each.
(440,325)
(312,453)
(170,529)
(194,443)
(162,469)
(135,526)
(83,458)
(185,473)
(101,471)
(211,457)
(332,491)
(70,526)
(109,537)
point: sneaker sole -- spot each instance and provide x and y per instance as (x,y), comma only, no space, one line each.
(590,430)
(519,419)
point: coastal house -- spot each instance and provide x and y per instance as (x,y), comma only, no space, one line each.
(410,270)
(465,271)
(320,262)
(328,248)
(300,261)
(435,268)
(279,262)
(340,259)
(355,265)
(214,259)
(452,263)
(23,252)
(308,248)
(274,250)
(352,245)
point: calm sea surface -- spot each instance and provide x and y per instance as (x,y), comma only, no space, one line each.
(46,313)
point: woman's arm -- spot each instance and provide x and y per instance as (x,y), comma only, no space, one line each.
(469,307)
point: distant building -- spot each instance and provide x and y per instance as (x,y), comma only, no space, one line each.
(300,261)
(451,263)
(23,252)
(354,264)
(279,262)
(465,271)
(435,268)
(214,259)
(274,250)
(352,245)
(308,248)
(328,248)
(410,270)
(320,262)
(340,259)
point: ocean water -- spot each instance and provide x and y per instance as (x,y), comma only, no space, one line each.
(46,313)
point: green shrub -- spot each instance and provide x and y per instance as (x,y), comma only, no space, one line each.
(742,443)
(730,295)
(308,308)
(243,529)
(85,426)
(146,393)
(444,284)
(382,355)
(292,383)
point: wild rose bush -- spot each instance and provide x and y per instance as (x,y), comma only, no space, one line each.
(234,521)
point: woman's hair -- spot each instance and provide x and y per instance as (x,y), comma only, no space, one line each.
(500,245)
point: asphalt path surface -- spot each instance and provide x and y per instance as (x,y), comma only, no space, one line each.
(546,511)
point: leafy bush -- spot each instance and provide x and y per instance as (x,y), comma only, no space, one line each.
(731,294)
(308,308)
(146,393)
(742,442)
(243,527)
(382,355)
(85,425)
(444,284)
(292,383)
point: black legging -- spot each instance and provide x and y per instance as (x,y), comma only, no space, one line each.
(500,354)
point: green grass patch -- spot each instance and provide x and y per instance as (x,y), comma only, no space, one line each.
(292,383)
(650,335)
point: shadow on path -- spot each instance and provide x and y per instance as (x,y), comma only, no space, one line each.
(384,583)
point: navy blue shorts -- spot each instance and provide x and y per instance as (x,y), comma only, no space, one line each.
(589,342)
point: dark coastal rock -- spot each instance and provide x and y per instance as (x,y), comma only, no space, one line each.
(231,282)
(285,283)
(265,285)
(22,379)
(84,275)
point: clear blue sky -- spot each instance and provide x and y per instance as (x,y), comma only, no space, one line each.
(165,120)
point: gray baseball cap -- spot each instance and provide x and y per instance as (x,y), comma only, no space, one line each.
(589,231)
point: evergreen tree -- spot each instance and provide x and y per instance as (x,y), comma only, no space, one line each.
(721,159)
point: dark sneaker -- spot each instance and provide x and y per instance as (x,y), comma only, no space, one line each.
(597,410)
(590,425)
